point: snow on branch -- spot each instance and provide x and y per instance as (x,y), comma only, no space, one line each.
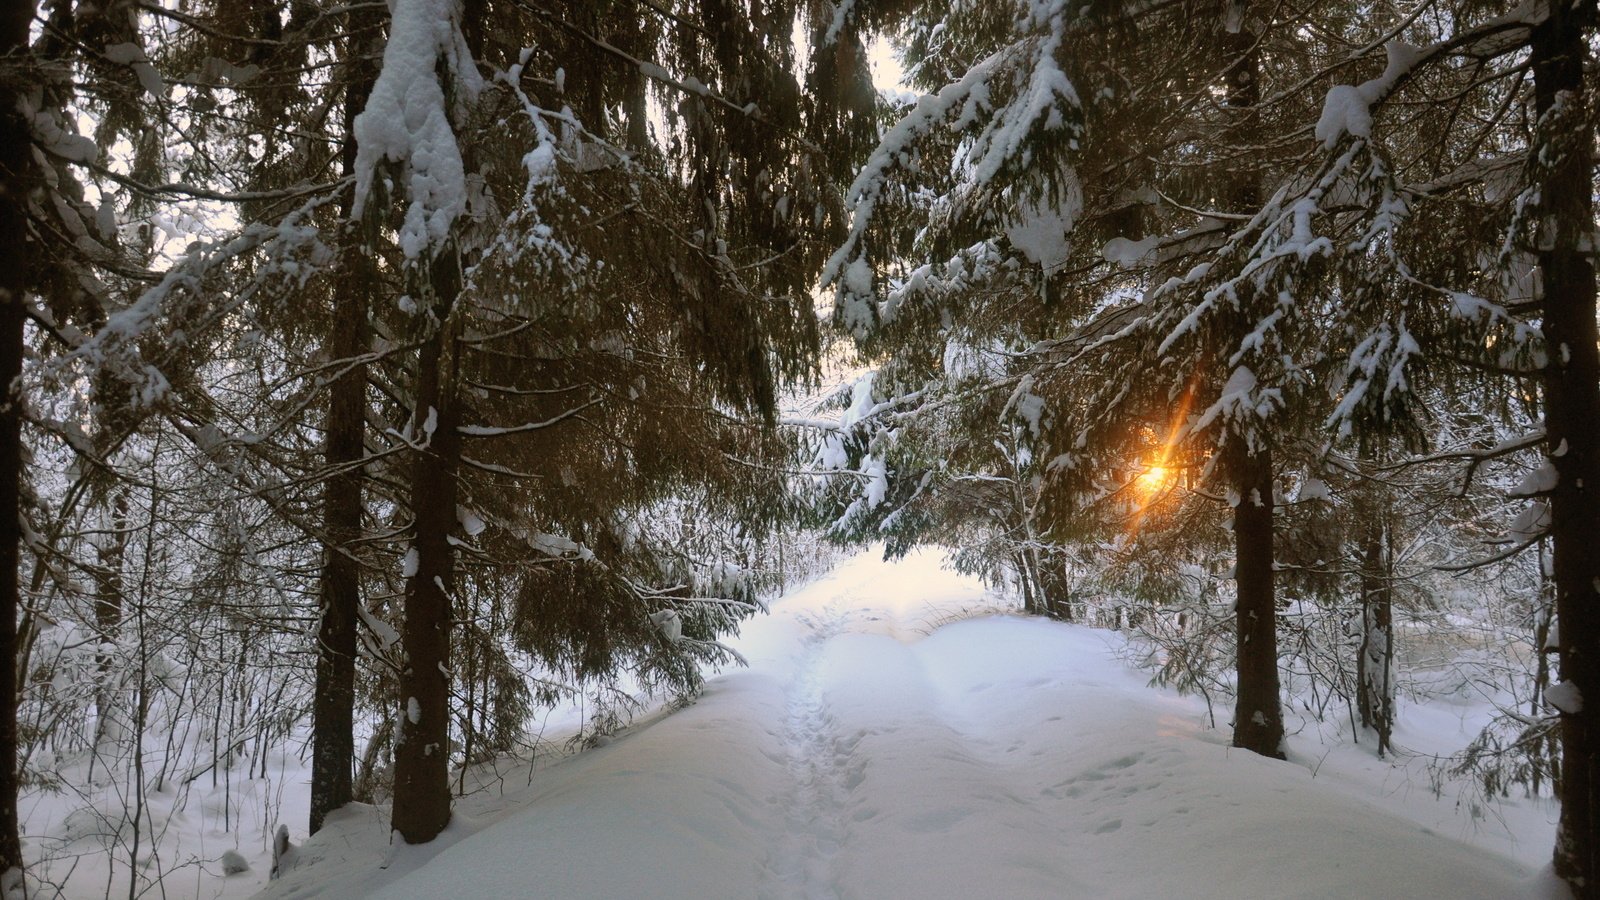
(479,431)
(1381,358)
(998,136)
(1242,400)
(408,121)
(1347,109)
(1281,232)
(1046,101)
(892,153)
(293,248)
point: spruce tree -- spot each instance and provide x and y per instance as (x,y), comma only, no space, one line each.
(333,751)
(18,180)
(1561,167)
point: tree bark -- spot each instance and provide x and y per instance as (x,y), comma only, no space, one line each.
(17,177)
(1258,712)
(108,622)
(1053,587)
(333,738)
(1571,381)
(422,748)
(1375,659)
(1026,583)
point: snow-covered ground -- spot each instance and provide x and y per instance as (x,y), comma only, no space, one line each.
(894,738)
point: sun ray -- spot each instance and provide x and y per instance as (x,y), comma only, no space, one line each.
(1158,475)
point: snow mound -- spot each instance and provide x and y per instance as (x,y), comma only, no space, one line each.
(1348,107)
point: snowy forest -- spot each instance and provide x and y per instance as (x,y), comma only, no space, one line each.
(416,405)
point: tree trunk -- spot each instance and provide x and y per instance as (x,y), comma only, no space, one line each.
(367,774)
(108,622)
(1572,422)
(333,739)
(422,748)
(16,179)
(1025,583)
(1375,660)
(630,37)
(1053,587)
(1258,713)
(1258,710)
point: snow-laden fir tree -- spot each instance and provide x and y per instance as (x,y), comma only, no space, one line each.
(603,326)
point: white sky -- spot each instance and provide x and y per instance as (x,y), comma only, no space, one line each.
(886,69)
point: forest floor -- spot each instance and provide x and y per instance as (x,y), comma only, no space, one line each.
(895,736)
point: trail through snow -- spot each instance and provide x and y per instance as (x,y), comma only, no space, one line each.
(892,739)
(819,765)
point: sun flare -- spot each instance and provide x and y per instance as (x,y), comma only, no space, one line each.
(1154,479)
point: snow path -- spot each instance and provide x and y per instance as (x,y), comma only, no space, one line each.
(869,753)
(818,761)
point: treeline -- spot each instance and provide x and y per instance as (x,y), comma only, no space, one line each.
(392,371)
(1248,325)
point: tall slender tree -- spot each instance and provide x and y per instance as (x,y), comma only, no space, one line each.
(419,101)
(18,181)
(344,440)
(1247,456)
(1562,167)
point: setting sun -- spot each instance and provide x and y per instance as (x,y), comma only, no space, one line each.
(1154,479)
